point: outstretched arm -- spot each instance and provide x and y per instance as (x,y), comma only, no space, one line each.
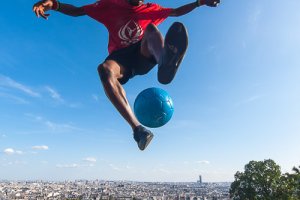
(71,10)
(182,10)
(41,7)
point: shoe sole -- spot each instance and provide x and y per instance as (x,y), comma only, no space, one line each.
(149,138)
(175,46)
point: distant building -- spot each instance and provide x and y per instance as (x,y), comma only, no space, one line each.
(200,179)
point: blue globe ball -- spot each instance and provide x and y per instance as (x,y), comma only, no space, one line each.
(153,107)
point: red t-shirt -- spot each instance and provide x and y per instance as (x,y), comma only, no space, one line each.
(125,23)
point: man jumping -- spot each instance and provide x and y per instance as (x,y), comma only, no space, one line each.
(135,46)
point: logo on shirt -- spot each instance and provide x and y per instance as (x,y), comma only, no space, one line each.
(130,33)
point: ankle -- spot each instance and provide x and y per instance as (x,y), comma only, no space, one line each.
(137,128)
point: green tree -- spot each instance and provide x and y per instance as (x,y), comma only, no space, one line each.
(260,180)
(290,185)
(294,181)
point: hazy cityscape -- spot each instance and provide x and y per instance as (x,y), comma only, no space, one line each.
(98,189)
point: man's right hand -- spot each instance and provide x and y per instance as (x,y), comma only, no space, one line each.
(41,7)
(210,3)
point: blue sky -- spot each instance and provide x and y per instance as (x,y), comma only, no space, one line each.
(236,96)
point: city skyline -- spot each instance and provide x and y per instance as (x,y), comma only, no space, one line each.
(236,97)
(109,190)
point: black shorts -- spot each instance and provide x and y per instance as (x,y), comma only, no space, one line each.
(133,61)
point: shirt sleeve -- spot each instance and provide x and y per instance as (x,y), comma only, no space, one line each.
(96,10)
(160,13)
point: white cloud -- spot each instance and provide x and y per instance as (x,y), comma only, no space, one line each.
(74,165)
(90,159)
(9,151)
(163,170)
(128,167)
(42,147)
(54,94)
(19,152)
(57,127)
(14,98)
(64,127)
(115,167)
(206,162)
(16,162)
(10,83)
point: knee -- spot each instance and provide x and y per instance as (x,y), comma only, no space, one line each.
(151,28)
(105,73)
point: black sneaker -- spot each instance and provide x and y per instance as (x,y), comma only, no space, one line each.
(175,46)
(142,136)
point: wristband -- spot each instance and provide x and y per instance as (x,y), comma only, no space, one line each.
(56,5)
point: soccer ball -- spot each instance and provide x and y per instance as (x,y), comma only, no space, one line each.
(153,107)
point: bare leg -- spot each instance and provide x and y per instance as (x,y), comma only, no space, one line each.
(109,73)
(152,43)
